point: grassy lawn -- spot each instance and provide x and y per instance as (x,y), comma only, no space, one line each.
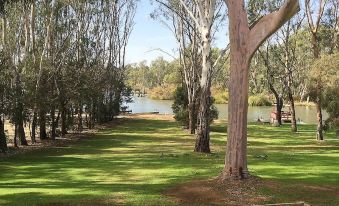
(132,163)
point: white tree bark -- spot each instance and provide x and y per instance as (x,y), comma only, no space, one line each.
(203,22)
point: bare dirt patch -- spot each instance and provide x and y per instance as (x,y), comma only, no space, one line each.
(242,193)
(46,144)
(70,138)
(245,192)
(215,192)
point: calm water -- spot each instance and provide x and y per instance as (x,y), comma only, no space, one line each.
(144,104)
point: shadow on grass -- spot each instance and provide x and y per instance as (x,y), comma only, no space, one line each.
(133,162)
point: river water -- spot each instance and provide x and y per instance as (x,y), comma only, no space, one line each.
(306,114)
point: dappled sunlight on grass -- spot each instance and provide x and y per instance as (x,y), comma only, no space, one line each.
(134,162)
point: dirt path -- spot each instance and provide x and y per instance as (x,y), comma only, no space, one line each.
(215,192)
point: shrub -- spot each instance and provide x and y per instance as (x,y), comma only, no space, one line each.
(180,109)
(214,113)
(179,106)
(331,124)
(259,100)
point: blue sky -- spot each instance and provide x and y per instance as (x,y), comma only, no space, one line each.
(149,34)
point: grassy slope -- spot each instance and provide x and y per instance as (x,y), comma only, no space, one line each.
(133,162)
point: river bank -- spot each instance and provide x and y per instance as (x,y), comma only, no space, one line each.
(305,114)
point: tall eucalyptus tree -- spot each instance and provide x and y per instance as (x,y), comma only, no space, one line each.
(314,26)
(244,42)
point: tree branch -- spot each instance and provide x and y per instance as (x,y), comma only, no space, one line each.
(314,25)
(270,23)
(194,18)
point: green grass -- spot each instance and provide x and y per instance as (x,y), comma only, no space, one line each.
(132,163)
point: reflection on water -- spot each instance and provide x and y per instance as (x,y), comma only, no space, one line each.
(144,104)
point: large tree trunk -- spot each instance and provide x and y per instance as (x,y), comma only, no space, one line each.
(236,152)
(202,143)
(3,141)
(244,42)
(203,131)
(236,156)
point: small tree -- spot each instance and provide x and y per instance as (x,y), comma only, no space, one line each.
(323,87)
(180,109)
(314,28)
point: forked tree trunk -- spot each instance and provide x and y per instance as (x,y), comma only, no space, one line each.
(204,19)
(244,42)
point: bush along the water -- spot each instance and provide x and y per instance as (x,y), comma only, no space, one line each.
(220,95)
(165,92)
(179,106)
(259,100)
(180,109)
